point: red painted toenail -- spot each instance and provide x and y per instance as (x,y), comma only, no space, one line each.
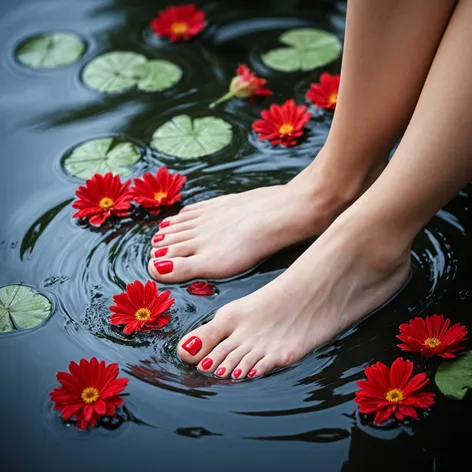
(207,363)
(161,252)
(193,345)
(237,373)
(164,267)
(158,238)
(164,224)
(252,373)
(220,372)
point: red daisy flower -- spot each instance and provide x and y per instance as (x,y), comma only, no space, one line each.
(203,289)
(393,391)
(244,85)
(433,336)
(282,124)
(325,94)
(88,392)
(162,189)
(141,307)
(101,197)
(179,22)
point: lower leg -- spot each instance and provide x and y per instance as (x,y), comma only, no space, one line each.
(363,258)
(380,85)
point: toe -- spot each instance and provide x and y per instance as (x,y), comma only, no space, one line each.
(178,269)
(200,342)
(226,367)
(176,219)
(213,359)
(163,239)
(175,250)
(177,227)
(265,365)
(246,364)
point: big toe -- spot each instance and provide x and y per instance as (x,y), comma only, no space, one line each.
(198,343)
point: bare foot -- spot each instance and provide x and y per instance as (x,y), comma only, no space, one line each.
(343,276)
(228,235)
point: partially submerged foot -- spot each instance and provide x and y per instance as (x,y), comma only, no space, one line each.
(343,276)
(228,235)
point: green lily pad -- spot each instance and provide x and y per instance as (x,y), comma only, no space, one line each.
(100,156)
(159,75)
(188,139)
(114,71)
(50,50)
(22,308)
(454,377)
(307,49)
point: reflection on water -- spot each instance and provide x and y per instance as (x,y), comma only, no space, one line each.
(296,418)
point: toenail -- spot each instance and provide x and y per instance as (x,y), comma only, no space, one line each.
(207,363)
(161,252)
(193,345)
(164,267)
(164,224)
(157,238)
(252,373)
(220,372)
(237,373)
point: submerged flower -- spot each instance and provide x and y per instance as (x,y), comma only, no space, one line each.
(203,289)
(244,85)
(393,391)
(433,336)
(162,189)
(179,22)
(141,307)
(282,124)
(101,197)
(88,392)
(325,94)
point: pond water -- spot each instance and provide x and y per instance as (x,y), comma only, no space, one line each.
(302,418)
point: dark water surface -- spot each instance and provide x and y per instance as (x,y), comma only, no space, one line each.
(302,418)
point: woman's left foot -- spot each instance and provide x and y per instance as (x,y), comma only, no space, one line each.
(349,271)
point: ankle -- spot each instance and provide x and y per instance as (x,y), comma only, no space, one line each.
(332,186)
(376,243)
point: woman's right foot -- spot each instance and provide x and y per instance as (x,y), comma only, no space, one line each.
(228,235)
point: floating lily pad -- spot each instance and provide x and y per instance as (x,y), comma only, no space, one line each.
(50,50)
(114,71)
(100,156)
(188,139)
(454,377)
(158,75)
(307,49)
(22,308)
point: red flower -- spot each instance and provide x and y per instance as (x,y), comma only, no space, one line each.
(101,197)
(159,190)
(282,124)
(325,94)
(203,289)
(141,307)
(179,22)
(244,85)
(392,392)
(433,336)
(88,392)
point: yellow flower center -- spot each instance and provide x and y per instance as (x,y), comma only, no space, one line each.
(432,342)
(143,314)
(106,203)
(286,128)
(395,395)
(158,196)
(90,395)
(333,98)
(179,27)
